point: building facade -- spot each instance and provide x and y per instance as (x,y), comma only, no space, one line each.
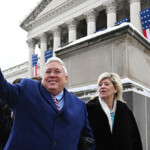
(84,35)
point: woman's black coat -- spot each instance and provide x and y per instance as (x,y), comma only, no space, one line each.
(125,134)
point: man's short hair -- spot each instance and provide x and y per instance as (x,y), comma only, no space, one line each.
(56,59)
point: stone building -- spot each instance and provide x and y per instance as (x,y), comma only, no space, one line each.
(84,35)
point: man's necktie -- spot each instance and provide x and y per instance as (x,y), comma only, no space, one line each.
(56,102)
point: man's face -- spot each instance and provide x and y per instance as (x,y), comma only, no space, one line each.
(54,78)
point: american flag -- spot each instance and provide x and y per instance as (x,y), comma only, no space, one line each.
(121,21)
(145,19)
(34,64)
(102,29)
(48,54)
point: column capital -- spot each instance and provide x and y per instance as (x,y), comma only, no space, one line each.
(110,6)
(31,43)
(72,24)
(56,31)
(44,37)
(91,15)
(133,1)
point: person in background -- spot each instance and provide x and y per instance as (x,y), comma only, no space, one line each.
(38,78)
(18,80)
(6,120)
(46,115)
(5,123)
(113,124)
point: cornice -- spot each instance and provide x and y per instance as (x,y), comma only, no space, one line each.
(127,30)
(34,13)
(16,69)
(50,14)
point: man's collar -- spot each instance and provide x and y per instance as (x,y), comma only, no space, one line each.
(60,96)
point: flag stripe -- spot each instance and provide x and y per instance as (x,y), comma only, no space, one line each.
(148,34)
(145,19)
(144,33)
(34,71)
(34,65)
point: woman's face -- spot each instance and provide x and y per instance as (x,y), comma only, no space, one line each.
(106,89)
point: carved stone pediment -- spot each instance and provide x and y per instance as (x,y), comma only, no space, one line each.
(33,20)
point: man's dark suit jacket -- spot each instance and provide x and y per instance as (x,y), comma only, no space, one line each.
(38,125)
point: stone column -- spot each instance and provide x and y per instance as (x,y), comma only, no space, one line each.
(56,39)
(135,8)
(111,12)
(72,28)
(31,45)
(91,21)
(43,49)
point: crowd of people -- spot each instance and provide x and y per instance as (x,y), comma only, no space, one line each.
(40,113)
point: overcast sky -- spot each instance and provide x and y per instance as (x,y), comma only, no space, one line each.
(13,47)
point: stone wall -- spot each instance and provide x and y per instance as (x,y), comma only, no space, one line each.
(123,51)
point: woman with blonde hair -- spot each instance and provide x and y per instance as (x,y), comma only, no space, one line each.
(113,124)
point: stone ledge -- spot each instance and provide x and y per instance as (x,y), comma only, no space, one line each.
(123,29)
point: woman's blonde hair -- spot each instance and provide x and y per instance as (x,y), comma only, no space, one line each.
(115,80)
